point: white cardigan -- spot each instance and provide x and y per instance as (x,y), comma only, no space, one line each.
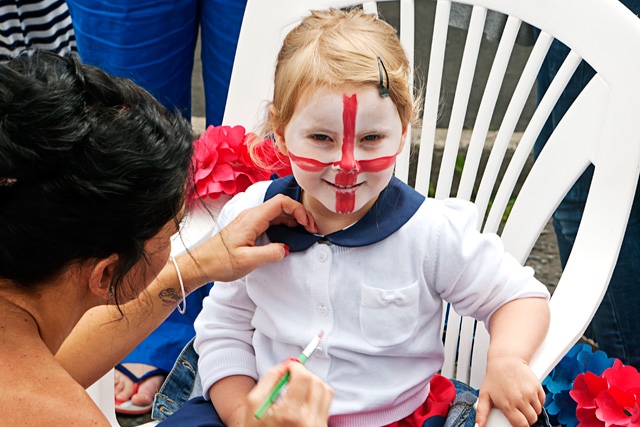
(379,305)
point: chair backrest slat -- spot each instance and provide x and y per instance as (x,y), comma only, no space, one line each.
(486,109)
(407,38)
(529,137)
(461,101)
(432,96)
(505,135)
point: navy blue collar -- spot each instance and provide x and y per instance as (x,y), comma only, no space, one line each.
(395,206)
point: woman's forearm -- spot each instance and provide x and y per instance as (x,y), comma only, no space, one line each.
(112,332)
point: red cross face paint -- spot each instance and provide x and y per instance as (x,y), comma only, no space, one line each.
(342,144)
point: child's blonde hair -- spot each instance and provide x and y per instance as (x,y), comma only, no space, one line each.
(333,48)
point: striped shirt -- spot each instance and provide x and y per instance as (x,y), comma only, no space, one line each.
(28,24)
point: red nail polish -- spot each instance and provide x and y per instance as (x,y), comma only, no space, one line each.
(286,250)
(293,359)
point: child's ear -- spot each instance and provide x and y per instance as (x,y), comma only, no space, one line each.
(279,134)
(282,146)
(403,139)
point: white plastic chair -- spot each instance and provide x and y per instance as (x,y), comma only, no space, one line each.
(599,129)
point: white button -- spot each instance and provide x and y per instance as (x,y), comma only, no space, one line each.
(322,256)
(322,310)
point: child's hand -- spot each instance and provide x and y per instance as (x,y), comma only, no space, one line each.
(510,386)
(305,403)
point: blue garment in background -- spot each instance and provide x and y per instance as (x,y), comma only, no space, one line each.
(152,42)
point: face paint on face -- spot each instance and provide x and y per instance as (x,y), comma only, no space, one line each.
(348,168)
(345,152)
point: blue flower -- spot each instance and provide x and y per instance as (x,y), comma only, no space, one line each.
(580,359)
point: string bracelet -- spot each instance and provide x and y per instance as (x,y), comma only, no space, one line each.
(184,296)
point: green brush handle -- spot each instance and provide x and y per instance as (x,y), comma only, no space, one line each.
(273,396)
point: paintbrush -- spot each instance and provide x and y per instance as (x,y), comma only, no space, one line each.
(306,353)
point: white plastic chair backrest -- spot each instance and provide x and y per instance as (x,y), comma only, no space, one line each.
(599,129)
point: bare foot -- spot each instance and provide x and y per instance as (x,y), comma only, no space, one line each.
(124,386)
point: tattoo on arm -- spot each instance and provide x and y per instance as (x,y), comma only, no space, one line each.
(171,296)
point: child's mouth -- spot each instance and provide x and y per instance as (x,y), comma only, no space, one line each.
(344,187)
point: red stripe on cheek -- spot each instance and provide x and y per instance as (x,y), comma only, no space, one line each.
(377,165)
(306,164)
(372,165)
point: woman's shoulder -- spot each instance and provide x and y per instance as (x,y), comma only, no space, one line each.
(36,390)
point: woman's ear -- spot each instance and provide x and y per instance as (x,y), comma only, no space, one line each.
(101,277)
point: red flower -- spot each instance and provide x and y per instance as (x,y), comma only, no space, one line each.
(612,399)
(222,164)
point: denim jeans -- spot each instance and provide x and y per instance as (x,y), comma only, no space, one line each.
(182,384)
(616,325)
(462,413)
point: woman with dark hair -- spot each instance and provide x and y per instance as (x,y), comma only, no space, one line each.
(93,177)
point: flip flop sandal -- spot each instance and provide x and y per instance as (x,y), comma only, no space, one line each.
(125,407)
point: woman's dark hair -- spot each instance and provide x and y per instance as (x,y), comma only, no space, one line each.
(90,165)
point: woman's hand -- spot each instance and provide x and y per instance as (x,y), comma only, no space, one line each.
(305,403)
(232,252)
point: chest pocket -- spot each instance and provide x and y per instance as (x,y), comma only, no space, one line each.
(388,317)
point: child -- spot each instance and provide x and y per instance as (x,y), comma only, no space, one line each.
(374,276)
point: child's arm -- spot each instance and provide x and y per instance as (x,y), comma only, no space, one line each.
(229,397)
(306,402)
(517,329)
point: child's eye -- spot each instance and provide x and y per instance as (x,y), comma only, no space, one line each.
(372,137)
(372,141)
(320,137)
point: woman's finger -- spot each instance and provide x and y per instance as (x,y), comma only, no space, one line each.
(320,396)
(300,382)
(263,388)
(282,210)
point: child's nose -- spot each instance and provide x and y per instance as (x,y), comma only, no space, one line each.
(348,162)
